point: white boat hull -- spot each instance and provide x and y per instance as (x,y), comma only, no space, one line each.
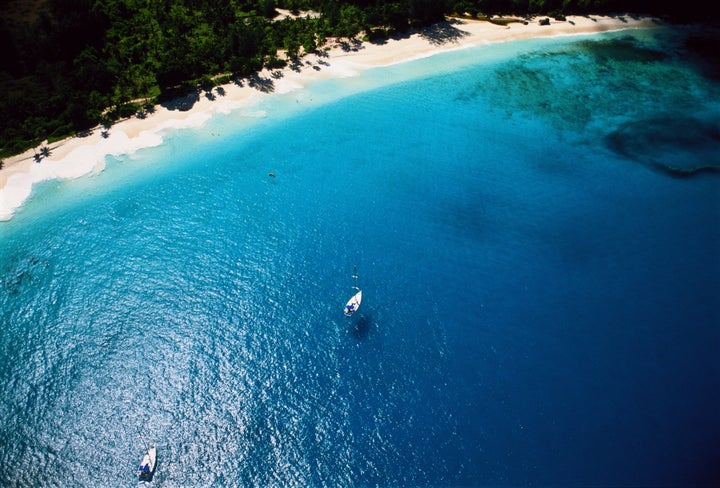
(353,304)
(147,465)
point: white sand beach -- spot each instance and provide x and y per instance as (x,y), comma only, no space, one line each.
(78,156)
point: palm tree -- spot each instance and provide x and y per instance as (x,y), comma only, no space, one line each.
(45,151)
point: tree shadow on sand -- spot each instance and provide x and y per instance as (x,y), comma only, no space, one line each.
(352,45)
(265,85)
(438,34)
(295,64)
(443,33)
(181,101)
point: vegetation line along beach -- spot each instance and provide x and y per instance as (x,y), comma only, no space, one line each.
(173,93)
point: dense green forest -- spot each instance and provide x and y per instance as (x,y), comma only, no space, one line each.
(68,65)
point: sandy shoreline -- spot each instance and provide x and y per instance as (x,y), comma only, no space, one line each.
(78,156)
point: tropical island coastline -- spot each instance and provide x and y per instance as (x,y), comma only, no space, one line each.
(82,155)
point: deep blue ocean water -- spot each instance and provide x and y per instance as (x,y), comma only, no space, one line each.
(541,293)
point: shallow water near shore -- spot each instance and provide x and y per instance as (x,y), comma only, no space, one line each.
(540,290)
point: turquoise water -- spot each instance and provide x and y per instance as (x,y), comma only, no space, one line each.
(540,284)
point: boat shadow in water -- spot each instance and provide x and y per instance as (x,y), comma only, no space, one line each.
(143,480)
(361,325)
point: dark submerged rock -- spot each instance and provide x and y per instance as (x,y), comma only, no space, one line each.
(679,146)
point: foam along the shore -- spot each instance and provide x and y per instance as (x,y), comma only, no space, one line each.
(78,156)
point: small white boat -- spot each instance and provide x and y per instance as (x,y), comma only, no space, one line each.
(354,303)
(147,465)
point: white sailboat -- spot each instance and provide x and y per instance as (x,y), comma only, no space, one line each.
(354,303)
(147,465)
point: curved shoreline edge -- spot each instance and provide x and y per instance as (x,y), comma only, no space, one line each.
(78,156)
